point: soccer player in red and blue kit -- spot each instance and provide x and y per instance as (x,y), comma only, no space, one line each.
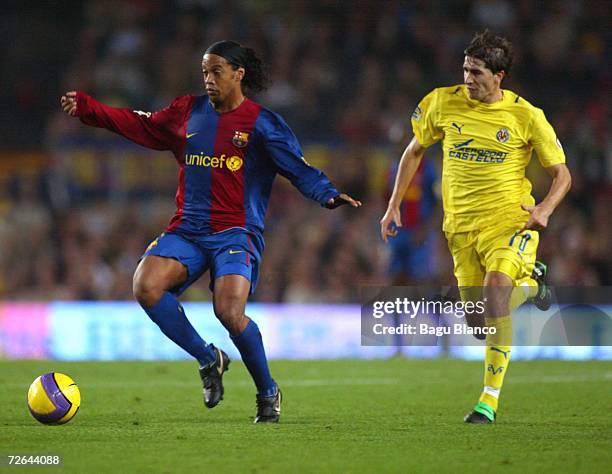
(229,149)
(411,249)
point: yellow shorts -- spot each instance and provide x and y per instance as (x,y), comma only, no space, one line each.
(494,249)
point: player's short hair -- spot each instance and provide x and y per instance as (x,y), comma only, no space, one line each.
(256,76)
(495,51)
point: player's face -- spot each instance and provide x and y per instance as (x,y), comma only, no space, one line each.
(481,83)
(221,80)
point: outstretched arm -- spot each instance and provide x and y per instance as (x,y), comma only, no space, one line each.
(162,130)
(312,182)
(285,151)
(407,168)
(561,183)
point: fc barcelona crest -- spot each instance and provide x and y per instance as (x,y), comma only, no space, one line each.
(503,135)
(241,139)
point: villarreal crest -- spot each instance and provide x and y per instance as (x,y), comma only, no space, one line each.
(241,139)
(502,135)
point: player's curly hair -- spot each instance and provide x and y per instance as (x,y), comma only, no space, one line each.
(257,76)
(495,51)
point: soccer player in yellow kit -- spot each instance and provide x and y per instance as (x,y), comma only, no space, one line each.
(491,220)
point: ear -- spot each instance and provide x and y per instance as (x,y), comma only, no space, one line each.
(500,75)
(240,72)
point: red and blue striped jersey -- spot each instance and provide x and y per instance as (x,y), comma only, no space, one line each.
(227,161)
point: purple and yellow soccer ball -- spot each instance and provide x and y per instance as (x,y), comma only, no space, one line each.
(54,398)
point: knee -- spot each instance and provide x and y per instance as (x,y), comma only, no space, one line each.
(497,286)
(230,311)
(146,291)
(497,279)
(497,290)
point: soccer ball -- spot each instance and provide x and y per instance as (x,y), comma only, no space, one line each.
(54,398)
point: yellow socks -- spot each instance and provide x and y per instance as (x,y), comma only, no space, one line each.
(497,358)
(497,351)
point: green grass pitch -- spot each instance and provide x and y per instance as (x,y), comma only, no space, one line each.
(342,416)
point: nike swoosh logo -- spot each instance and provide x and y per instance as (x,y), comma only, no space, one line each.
(189,135)
(232,252)
(220,366)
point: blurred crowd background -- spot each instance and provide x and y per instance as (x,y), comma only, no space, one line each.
(79,205)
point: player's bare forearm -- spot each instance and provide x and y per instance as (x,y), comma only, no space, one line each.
(411,158)
(561,183)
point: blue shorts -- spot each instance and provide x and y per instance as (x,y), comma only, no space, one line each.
(234,251)
(408,259)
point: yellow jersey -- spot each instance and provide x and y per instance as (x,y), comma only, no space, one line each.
(487,148)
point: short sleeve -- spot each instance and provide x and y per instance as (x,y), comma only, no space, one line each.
(425,124)
(545,142)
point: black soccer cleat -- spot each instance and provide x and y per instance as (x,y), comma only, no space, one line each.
(211,376)
(543,299)
(268,408)
(476,418)
(482,414)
